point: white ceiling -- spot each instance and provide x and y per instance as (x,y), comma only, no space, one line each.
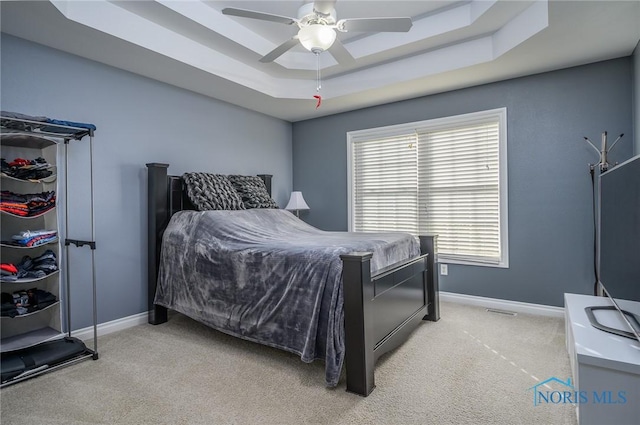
(452,44)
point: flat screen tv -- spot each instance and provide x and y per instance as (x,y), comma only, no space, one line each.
(619,242)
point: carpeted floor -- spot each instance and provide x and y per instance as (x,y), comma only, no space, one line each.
(471,367)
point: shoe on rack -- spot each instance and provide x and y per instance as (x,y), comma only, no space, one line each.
(47,255)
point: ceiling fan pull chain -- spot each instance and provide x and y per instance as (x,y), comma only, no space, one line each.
(318,80)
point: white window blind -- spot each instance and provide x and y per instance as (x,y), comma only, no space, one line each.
(459,197)
(445,177)
(385,187)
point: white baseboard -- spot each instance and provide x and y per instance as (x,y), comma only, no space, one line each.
(515,306)
(112,326)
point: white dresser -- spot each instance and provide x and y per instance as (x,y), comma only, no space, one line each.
(603,364)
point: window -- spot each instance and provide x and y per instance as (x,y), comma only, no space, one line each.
(445,176)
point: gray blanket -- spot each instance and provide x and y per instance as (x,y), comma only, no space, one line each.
(266,276)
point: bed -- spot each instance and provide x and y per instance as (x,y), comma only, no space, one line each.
(268,277)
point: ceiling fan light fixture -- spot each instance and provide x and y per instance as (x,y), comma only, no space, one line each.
(316,38)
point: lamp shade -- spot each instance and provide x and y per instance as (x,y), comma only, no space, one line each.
(296,202)
(316,38)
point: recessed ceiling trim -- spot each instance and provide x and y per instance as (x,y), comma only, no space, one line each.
(460,55)
(478,8)
(121,23)
(429,26)
(215,21)
(434,62)
(531,21)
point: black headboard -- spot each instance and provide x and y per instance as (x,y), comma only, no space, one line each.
(166,196)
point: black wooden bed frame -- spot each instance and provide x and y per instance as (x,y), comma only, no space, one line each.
(380,311)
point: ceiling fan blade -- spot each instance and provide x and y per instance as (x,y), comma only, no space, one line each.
(374,25)
(258,15)
(280,50)
(340,53)
(323,7)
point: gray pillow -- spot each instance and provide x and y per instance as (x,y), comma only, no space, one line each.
(212,192)
(252,191)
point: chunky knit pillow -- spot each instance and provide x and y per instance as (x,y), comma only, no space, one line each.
(212,192)
(252,191)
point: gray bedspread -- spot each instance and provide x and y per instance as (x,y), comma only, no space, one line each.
(266,276)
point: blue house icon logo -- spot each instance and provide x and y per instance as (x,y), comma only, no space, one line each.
(546,396)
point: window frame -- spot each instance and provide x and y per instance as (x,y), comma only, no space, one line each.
(438,124)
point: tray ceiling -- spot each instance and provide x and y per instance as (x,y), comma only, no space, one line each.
(452,44)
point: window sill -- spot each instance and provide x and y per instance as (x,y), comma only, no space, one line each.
(443,258)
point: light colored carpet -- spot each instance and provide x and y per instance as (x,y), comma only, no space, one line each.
(471,367)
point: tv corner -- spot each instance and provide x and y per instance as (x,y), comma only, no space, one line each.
(603,332)
(604,365)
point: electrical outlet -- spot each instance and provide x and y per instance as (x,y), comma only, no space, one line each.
(444,269)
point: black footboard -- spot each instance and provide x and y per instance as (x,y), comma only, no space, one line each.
(381,311)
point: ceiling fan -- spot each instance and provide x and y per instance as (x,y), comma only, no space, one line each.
(317,25)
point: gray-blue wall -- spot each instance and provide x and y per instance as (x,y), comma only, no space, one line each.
(139,120)
(550,210)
